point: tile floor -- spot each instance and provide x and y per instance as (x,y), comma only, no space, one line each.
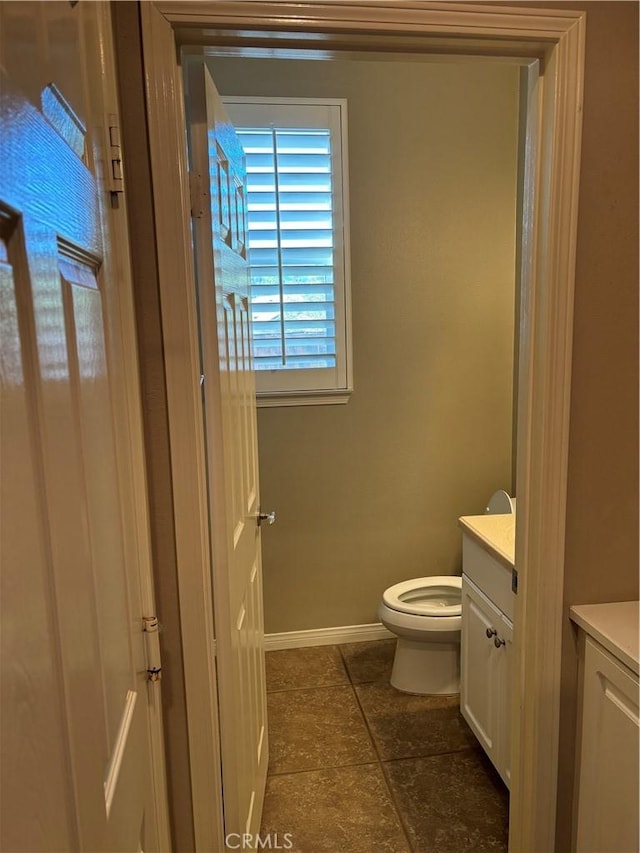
(357,767)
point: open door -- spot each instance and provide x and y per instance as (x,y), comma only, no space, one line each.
(76,769)
(222,272)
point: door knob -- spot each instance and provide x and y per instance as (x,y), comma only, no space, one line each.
(491,632)
(269,517)
(497,642)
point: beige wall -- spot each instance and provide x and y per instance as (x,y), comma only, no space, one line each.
(369,493)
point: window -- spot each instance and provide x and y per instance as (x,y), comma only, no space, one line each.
(298,246)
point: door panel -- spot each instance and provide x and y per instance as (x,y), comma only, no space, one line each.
(76,764)
(90,387)
(29,661)
(231,440)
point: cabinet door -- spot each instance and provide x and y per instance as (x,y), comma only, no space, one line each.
(608,777)
(478,665)
(486,675)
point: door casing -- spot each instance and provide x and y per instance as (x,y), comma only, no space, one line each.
(549,45)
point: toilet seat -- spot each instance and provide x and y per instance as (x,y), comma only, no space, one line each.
(437,596)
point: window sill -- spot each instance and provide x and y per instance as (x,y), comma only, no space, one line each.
(302,398)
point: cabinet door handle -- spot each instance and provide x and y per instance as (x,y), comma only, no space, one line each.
(491,632)
(497,642)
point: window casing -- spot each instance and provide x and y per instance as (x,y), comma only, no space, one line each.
(297,205)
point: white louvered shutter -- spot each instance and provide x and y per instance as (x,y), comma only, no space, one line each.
(296,241)
(290,223)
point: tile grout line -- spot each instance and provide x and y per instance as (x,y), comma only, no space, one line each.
(322,769)
(392,798)
(308,687)
(428,755)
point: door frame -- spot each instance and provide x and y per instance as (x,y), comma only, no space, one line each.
(131,419)
(549,45)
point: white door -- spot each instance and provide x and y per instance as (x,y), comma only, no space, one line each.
(75,738)
(231,442)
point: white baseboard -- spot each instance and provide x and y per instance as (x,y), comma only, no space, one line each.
(326,636)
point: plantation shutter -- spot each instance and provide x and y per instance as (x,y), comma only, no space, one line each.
(290,239)
(295,194)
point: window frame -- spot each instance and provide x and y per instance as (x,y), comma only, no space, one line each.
(311,386)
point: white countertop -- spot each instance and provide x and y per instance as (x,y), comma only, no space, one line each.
(497,533)
(614,625)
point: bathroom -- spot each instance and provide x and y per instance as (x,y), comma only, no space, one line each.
(587,369)
(369,493)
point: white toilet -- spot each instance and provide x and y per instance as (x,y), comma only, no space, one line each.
(426,616)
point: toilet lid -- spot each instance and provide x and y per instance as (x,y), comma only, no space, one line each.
(500,504)
(433,596)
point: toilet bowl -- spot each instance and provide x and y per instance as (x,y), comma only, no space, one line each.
(425,615)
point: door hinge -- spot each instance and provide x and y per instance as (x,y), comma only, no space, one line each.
(116,178)
(199,196)
(151,629)
(514,581)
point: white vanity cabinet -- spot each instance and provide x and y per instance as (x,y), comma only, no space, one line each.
(607,790)
(487,631)
(485,666)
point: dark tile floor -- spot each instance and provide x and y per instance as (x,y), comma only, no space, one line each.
(357,767)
